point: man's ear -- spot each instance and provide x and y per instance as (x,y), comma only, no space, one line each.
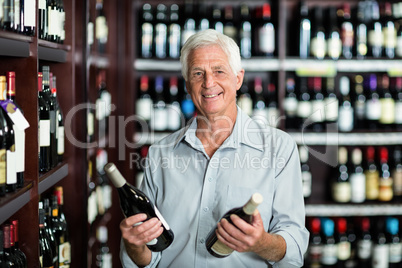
(240,77)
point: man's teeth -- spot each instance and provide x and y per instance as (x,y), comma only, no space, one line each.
(211,96)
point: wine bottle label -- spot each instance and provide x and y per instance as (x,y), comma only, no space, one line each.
(372,185)
(318,46)
(15,114)
(347,34)
(273,116)
(344,250)
(100,109)
(11,171)
(90,32)
(331,109)
(307,182)
(358,186)
(398,50)
(315,253)
(159,119)
(364,249)
(341,192)
(19,149)
(3,167)
(385,189)
(360,109)
(221,249)
(65,253)
(380,256)
(160,40)
(266,36)
(345,120)
(53,21)
(246,104)
(304,109)
(389,36)
(334,47)
(101,30)
(90,124)
(60,141)
(398,112)
(373,109)
(146,40)
(29,13)
(44,133)
(397,175)
(174,116)
(290,106)
(174,40)
(375,37)
(17,12)
(387,111)
(329,254)
(42,4)
(395,253)
(144,108)
(318,111)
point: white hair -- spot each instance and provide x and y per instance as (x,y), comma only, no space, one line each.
(206,38)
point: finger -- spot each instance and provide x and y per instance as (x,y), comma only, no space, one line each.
(132,220)
(229,232)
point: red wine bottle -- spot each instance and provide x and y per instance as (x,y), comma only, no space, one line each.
(44,129)
(133,201)
(217,248)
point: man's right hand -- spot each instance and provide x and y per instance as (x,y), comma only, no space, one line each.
(136,231)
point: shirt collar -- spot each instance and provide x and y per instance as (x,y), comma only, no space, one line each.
(245,131)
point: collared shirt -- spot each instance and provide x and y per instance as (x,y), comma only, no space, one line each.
(193,191)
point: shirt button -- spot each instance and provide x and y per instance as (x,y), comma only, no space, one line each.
(206,209)
(202,240)
(211,179)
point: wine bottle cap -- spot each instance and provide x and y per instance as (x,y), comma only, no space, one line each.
(114,175)
(253,203)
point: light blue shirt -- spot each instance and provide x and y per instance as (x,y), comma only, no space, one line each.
(193,191)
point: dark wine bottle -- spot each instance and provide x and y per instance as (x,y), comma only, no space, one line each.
(334,34)
(265,33)
(341,191)
(19,134)
(343,243)
(329,256)
(318,42)
(42,20)
(385,184)
(133,201)
(45,251)
(304,31)
(62,232)
(362,17)
(389,30)
(48,228)
(147,31)
(44,129)
(380,250)
(245,32)
(161,31)
(9,258)
(375,35)
(315,247)
(364,244)
(217,248)
(174,32)
(394,242)
(3,146)
(347,32)
(17,251)
(29,15)
(2,261)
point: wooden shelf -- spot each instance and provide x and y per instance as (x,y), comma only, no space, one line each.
(12,202)
(327,210)
(53,52)
(14,45)
(52,177)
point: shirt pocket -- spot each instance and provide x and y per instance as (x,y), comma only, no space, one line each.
(238,196)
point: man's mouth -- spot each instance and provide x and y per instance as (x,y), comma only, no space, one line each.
(211,95)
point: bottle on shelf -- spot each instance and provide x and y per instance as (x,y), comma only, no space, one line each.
(17,251)
(62,234)
(9,257)
(3,143)
(397,92)
(304,107)
(385,184)
(19,133)
(10,156)
(60,137)
(290,104)
(103,256)
(217,248)
(359,103)
(173,106)
(8,16)
(388,30)
(2,261)
(380,257)
(372,175)
(204,20)
(347,31)
(161,31)
(159,117)
(52,21)
(346,111)
(44,128)
(357,177)
(245,32)
(331,104)
(373,104)
(334,35)
(230,28)
(244,100)
(45,251)
(341,188)
(305,171)
(318,48)
(396,172)
(317,116)
(174,32)
(29,17)
(259,107)
(329,257)
(147,31)
(45,205)
(304,31)
(42,19)
(387,117)
(364,243)
(394,242)
(103,104)
(342,241)
(315,246)
(217,23)
(272,106)
(133,201)
(187,105)
(265,33)
(189,27)
(144,104)
(101,27)
(362,18)
(374,31)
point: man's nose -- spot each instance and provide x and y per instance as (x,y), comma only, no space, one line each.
(209,80)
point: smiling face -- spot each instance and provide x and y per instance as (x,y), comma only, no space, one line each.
(212,83)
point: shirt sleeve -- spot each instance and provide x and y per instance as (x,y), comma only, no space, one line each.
(128,263)
(288,205)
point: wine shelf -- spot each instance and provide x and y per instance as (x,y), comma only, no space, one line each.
(52,177)
(312,66)
(345,210)
(14,45)
(346,139)
(52,52)
(13,202)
